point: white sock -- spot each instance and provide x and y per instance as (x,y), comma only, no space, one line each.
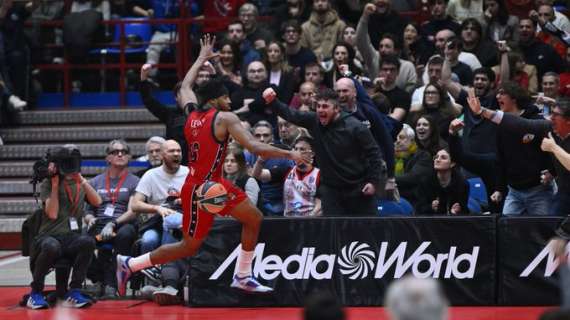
(140,262)
(244,262)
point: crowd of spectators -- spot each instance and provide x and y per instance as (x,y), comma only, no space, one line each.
(389,110)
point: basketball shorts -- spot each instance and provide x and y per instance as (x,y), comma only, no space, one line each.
(197,222)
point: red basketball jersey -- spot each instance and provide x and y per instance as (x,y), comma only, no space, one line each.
(206,154)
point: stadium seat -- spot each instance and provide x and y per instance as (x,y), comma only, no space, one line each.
(473,205)
(392,208)
(478,191)
(134,32)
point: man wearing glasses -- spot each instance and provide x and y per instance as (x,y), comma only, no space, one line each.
(112,221)
(522,166)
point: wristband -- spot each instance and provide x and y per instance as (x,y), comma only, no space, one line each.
(480,112)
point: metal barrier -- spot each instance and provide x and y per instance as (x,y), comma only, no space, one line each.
(182,46)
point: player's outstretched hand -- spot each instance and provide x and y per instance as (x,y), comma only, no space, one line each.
(207,47)
(269,95)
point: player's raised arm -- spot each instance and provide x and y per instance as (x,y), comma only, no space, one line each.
(206,52)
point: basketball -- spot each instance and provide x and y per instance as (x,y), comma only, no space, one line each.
(211,197)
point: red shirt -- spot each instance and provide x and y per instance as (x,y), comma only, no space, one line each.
(206,154)
(215,9)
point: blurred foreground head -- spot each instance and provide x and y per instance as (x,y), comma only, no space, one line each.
(410,298)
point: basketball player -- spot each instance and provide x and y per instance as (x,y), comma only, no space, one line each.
(207,131)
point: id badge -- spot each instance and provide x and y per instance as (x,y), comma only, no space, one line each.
(73,225)
(109,210)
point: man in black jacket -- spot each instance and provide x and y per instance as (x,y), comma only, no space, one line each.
(347,154)
(522,165)
(173,118)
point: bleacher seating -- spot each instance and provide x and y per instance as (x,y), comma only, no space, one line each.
(39,130)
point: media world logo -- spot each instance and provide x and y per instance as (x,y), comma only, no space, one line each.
(358,260)
(552,262)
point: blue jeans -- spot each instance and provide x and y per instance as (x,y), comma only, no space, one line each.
(561,204)
(150,240)
(173,221)
(532,201)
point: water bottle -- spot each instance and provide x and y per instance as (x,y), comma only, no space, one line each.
(187,290)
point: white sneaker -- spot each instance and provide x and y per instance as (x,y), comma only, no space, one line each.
(166,296)
(250,285)
(17,103)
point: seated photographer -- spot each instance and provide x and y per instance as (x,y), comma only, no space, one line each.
(111,223)
(59,234)
(158,193)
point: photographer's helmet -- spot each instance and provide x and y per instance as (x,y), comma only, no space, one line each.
(66,158)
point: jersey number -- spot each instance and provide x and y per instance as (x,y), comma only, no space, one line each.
(194,151)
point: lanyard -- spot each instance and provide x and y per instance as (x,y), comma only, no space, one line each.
(74,201)
(115,195)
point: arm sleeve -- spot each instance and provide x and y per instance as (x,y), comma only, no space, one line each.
(422,168)
(365,47)
(522,125)
(252,190)
(154,106)
(303,119)
(371,152)
(478,163)
(382,137)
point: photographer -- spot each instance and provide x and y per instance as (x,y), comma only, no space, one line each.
(111,222)
(59,236)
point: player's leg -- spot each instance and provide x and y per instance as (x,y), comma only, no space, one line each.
(251,218)
(165,253)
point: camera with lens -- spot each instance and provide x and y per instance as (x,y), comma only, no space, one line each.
(67,160)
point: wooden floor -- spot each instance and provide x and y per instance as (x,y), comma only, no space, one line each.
(142,310)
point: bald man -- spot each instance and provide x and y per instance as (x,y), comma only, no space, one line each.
(370,116)
(155,186)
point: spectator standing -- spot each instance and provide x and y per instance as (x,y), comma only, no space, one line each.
(173,118)
(499,24)
(460,10)
(323,29)
(236,34)
(297,55)
(536,52)
(380,19)
(439,20)
(388,45)
(14,52)
(215,11)
(558,144)
(343,54)
(259,37)
(385,84)
(229,61)
(416,48)
(164,34)
(280,73)
(349,157)
(473,41)
(528,191)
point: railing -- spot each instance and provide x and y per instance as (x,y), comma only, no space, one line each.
(182,50)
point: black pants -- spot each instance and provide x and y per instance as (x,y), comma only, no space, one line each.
(347,202)
(173,273)
(121,244)
(72,246)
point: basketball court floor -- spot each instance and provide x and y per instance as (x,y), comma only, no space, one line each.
(15,278)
